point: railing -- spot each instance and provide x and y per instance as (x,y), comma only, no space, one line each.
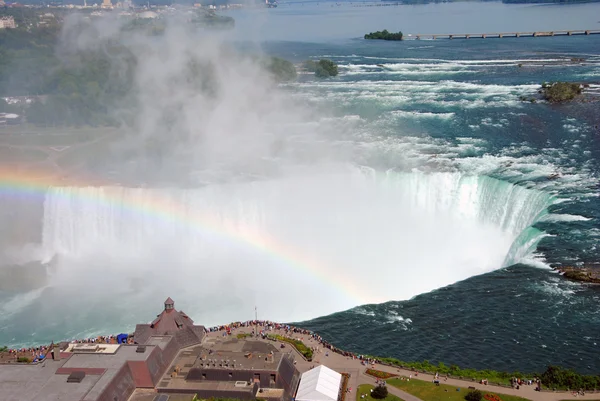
(574,32)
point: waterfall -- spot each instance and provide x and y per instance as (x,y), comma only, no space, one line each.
(315,243)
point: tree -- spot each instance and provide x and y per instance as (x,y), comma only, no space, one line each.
(384,35)
(381,391)
(474,395)
(561,91)
(282,70)
(324,68)
(329,66)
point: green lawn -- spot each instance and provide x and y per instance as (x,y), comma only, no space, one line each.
(428,391)
(299,345)
(366,389)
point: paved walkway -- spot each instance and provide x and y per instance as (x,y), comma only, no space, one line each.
(356,370)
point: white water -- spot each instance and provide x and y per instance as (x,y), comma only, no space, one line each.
(334,240)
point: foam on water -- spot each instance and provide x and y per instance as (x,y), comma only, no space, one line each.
(444,94)
(446,209)
(564,218)
(19,302)
(420,115)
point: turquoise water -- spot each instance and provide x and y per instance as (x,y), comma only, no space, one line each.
(453,106)
(454,197)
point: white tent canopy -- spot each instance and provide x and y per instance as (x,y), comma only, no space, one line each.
(319,384)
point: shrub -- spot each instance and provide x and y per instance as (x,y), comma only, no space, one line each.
(379,374)
(454,370)
(23,359)
(474,395)
(380,392)
(556,377)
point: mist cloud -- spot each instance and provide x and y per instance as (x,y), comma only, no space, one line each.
(230,191)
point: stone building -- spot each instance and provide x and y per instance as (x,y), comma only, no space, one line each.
(171,355)
(7,22)
(227,367)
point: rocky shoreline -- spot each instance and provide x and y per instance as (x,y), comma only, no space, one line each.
(586,274)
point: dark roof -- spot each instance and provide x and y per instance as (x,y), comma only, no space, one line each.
(170,322)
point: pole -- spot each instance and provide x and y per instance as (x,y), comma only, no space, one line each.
(255,314)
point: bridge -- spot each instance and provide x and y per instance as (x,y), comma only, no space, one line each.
(505,34)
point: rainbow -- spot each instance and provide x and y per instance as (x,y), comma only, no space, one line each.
(34,184)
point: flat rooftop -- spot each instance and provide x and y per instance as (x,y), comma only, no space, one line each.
(270,393)
(41,383)
(141,394)
(233,353)
(47,381)
(160,341)
(108,361)
(92,348)
(209,385)
(223,353)
(112,364)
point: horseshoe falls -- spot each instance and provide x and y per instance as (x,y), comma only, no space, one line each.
(343,221)
(410,207)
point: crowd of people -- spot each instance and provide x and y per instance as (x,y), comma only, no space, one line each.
(111,339)
(263,327)
(38,354)
(33,354)
(260,328)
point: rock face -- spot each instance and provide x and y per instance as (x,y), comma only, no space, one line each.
(586,274)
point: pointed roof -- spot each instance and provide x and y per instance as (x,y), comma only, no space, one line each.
(170,322)
(319,384)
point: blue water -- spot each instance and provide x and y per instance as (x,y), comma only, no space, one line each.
(436,126)
(458,103)
(453,106)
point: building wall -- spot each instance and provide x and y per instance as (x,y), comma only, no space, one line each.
(120,388)
(168,355)
(288,378)
(233,375)
(241,394)
(7,22)
(140,373)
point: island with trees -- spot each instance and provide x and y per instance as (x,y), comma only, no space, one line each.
(559,92)
(323,68)
(384,35)
(78,87)
(280,69)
